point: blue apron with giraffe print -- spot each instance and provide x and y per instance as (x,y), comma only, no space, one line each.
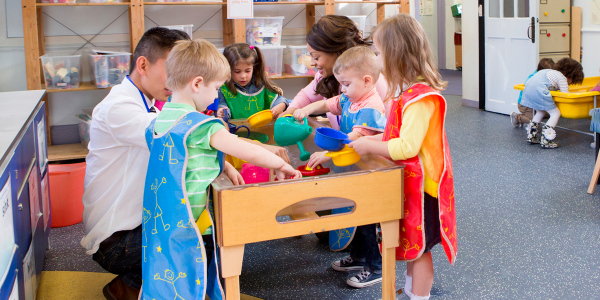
(365,117)
(175,264)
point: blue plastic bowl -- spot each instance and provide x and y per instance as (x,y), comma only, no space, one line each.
(331,139)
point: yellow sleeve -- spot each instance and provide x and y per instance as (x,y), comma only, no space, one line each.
(415,123)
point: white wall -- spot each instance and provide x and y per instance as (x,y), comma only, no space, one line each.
(470,48)
(430,24)
(450,29)
(590,40)
(88,21)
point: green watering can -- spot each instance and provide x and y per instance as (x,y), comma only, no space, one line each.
(288,132)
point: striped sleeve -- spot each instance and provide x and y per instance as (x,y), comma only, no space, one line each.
(558,80)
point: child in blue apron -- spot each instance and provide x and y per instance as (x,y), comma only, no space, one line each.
(179,259)
(249,90)
(361,113)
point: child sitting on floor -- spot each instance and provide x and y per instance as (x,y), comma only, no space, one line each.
(360,107)
(536,95)
(526,113)
(363,113)
(248,90)
(416,138)
(185,157)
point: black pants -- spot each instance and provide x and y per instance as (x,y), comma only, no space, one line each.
(365,248)
(121,254)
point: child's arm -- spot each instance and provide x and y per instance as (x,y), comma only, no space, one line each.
(279,105)
(224,141)
(279,151)
(318,158)
(317,108)
(233,174)
(222,106)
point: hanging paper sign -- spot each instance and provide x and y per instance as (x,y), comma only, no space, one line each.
(45,201)
(41,137)
(240,9)
(34,201)
(29,280)
(14,294)
(7,233)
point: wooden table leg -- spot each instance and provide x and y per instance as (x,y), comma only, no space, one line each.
(231,269)
(390,240)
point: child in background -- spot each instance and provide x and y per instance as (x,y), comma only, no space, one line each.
(360,106)
(415,137)
(248,90)
(536,95)
(185,157)
(526,114)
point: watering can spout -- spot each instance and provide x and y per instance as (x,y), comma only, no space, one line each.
(288,131)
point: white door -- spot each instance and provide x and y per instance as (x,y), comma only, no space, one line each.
(511,50)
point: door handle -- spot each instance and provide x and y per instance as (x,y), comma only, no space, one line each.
(532,27)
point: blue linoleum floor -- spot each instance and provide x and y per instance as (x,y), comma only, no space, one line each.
(527,229)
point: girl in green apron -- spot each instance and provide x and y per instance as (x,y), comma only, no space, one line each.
(249,90)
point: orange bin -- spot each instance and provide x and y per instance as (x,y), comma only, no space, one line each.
(66,191)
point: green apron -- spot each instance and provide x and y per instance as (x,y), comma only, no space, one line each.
(244,105)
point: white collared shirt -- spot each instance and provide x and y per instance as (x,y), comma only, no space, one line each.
(116,165)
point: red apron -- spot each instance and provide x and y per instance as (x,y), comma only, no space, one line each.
(412,236)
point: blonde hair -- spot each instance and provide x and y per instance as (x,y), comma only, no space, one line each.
(190,59)
(407,54)
(360,59)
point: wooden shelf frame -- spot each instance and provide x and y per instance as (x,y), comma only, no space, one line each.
(234,31)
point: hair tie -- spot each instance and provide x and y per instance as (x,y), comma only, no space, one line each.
(252,47)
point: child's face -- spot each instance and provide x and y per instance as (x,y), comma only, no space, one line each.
(353,84)
(322,61)
(378,52)
(242,73)
(205,94)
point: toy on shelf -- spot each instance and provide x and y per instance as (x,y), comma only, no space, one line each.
(264,31)
(108,68)
(61,71)
(296,61)
(308,172)
(260,118)
(287,131)
(254,174)
(232,128)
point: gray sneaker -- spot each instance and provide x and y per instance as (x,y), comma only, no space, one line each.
(513,120)
(347,264)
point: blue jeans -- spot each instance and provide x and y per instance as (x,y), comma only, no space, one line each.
(365,248)
(123,256)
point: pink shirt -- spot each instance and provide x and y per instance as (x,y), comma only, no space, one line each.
(370,99)
(308,95)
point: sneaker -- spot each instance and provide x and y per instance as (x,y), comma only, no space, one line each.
(513,120)
(364,279)
(347,264)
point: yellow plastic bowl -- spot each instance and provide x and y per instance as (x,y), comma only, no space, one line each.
(344,157)
(260,118)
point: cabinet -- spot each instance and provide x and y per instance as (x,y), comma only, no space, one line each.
(24,193)
(554,38)
(555,29)
(555,11)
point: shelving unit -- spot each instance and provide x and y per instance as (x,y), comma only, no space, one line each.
(234,31)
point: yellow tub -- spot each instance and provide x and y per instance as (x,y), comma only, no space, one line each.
(577,103)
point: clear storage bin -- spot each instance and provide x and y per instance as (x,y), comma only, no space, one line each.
(108,68)
(264,31)
(273,59)
(360,21)
(296,61)
(61,71)
(104,1)
(185,28)
(85,122)
(58,1)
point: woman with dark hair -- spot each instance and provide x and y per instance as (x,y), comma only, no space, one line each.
(326,41)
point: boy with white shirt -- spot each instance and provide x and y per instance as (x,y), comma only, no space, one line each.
(117,164)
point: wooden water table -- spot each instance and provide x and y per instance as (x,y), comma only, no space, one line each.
(374,186)
(577,103)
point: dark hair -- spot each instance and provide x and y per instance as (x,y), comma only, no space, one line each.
(545,63)
(571,69)
(155,43)
(242,52)
(333,34)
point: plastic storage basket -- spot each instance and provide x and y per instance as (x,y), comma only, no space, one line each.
(61,71)
(360,21)
(66,190)
(264,31)
(185,28)
(296,61)
(273,59)
(108,68)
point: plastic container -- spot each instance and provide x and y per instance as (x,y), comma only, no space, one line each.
(264,31)
(296,61)
(254,174)
(105,1)
(58,1)
(85,122)
(360,21)
(66,190)
(108,68)
(273,59)
(61,71)
(185,28)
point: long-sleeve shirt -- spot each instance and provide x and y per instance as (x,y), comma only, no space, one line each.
(419,123)
(558,80)
(251,88)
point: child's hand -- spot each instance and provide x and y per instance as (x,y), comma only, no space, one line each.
(221,112)
(300,114)
(317,158)
(277,110)
(361,146)
(287,171)
(279,151)
(289,111)
(233,174)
